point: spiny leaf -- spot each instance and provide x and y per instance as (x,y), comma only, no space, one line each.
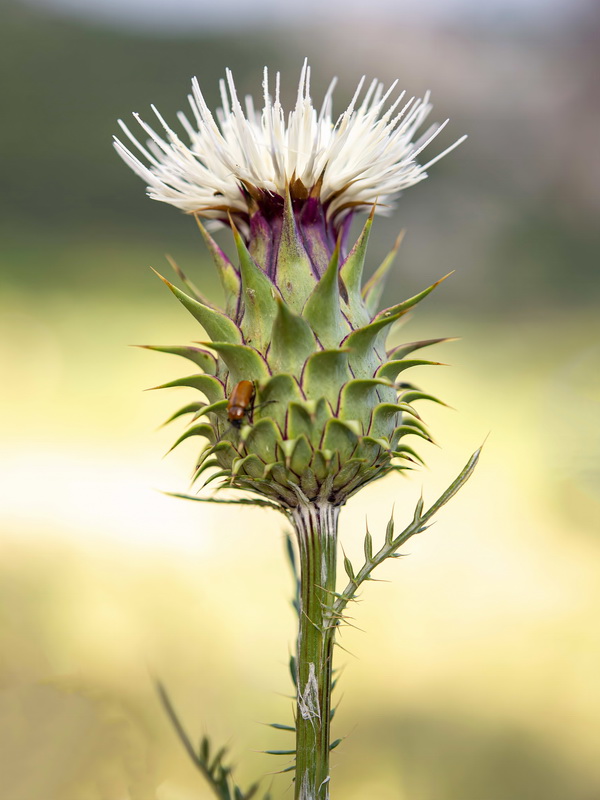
(230,280)
(393,543)
(190,408)
(409,430)
(197,430)
(243,362)
(189,285)
(411,396)
(295,275)
(340,437)
(351,274)
(300,456)
(261,242)
(348,567)
(299,420)
(347,472)
(389,530)
(368,546)
(385,417)
(322,310)
(206,361)
(275,397)
(309,484)
(278,726)
(418,510)
(217,325)
(204,750)
(263,438)
(358,397)
(391,369)
(364,342)
(292,341)
(283,771)
(402,308)
(406,452)
(210,463)
(241,502)
(312,224)
(294,670)
(324,375)
(403,350)
(454,486)
(251,465)
(217,778)
(223,473)
(258,297)
(221,446)
(209,386)
(373,288)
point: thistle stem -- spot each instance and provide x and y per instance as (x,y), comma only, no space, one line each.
(316,530)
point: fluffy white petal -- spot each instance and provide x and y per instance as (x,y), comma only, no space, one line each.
(368,155)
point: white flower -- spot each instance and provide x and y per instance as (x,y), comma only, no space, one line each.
(368,156)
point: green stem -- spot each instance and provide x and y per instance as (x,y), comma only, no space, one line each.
(316,529)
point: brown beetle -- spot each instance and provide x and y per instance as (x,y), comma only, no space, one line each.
(240,403)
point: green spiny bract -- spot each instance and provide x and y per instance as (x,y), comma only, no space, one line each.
(328,415)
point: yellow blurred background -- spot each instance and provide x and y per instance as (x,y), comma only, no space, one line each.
(473,673)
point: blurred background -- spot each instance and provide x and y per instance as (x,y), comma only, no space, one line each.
(475,674)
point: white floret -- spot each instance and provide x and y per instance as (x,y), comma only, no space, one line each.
(369,155)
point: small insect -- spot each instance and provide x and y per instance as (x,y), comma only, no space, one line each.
(241,403)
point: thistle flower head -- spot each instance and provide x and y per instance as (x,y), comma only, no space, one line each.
(304,403)
(242,159)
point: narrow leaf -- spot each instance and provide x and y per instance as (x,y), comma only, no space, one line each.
(410,397)
(258,298)
(209,386)
(402,308)
(293,670)
(230,280)
(368,545)
(418,510)
(391,369)
(403,350)
(322,310)
(243,362)
(340,437)
(292,341)
(324,375)
(197,430)
(454,486)
(190,408)
(373,288)
(242,502)
(217,324)
(351,273)
(389,530)
(295,276)
(189,285)
(363,344)
(206,361)
(348,567)
(385,418)
(358,398)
